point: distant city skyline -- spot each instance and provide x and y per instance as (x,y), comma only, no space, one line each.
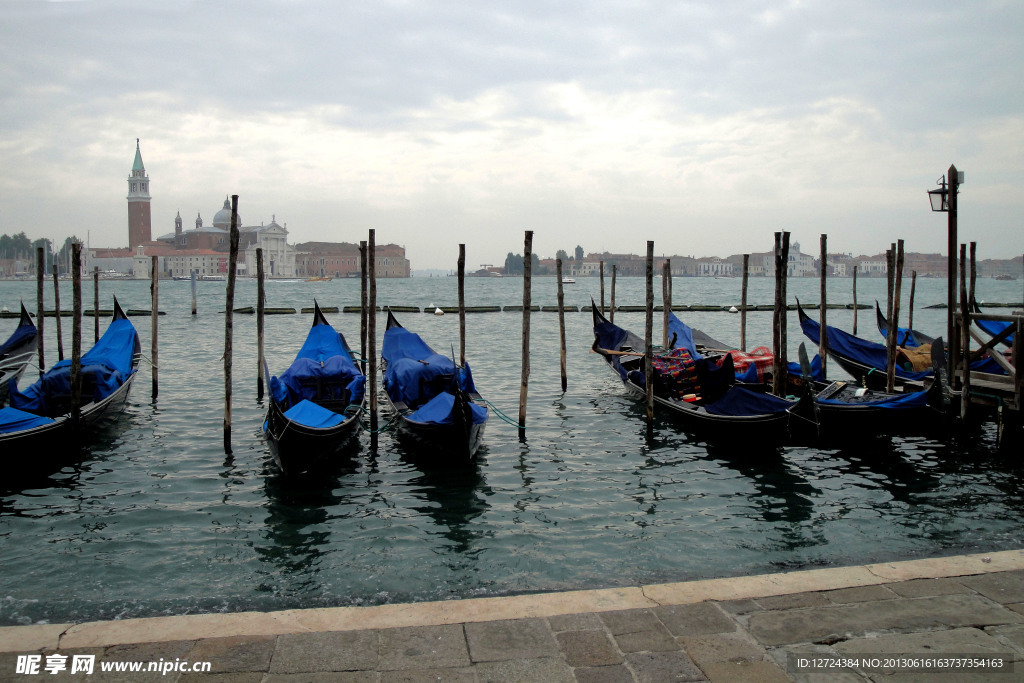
(702,126)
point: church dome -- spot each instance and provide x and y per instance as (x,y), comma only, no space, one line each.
(223,217)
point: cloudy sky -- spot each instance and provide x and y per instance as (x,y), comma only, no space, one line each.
(705,126)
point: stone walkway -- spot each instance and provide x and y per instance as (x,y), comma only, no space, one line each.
(958,618)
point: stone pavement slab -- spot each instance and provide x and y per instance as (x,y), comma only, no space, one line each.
(845,621)
(737,629)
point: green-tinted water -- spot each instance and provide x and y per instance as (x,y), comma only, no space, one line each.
(156,519)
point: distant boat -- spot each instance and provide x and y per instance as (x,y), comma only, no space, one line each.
(212,278)
(568,281)
(319,279)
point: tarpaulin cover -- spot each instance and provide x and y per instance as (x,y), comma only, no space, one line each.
(912,400)
(22,335)
(322,370)
(105,367)
(311,415)
(415,374)
(739,401)
(874,355)
(14,420)
(683,335)
(440,410)
(994,328)
(611,336)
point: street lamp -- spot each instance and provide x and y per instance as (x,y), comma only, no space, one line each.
(940,197)
(944,199)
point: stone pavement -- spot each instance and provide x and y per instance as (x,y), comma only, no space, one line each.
(957,618)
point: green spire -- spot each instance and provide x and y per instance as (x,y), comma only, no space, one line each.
(137,166)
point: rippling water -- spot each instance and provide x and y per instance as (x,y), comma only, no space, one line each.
(156,519)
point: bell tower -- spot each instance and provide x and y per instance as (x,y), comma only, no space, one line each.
(140,226)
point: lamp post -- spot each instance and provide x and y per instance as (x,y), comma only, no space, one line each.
(944,199)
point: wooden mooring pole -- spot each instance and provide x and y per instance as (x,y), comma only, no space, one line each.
(855,301)
(743,303)
(649,337)
(823,337)
(154,290)
(561,323)
(40,310)
(363,319)
(666,303)
(229,320)
(95,304)
(965,338)
(611,311)
(371,330)
(192,277)
(779,370)
(56,311)
(910,306)
(76,338)
(601,270)
(890,377)
(261,302)
(462,305)
(525,376)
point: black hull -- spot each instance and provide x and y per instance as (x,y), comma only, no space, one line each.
(299,449)
(754,430)
(440,444)
(55,444)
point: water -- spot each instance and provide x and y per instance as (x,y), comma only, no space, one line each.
(155,519)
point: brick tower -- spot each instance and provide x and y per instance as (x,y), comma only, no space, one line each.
(140,226)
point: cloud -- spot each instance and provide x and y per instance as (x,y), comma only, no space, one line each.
(703,126)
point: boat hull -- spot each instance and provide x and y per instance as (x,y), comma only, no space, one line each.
(300,449)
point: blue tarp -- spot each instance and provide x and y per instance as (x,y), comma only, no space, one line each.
(311,415)
(22,335)
(105,367)
(439,410)
(995,328)
(415,374)
(14,420)
(874,355)
(739,401)
(322,370)
(683,335)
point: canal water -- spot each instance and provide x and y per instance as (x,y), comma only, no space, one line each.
(155,519)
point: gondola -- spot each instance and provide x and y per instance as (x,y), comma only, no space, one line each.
(719,408)
(837,410)
(16,353)
(439,412)
(904,336)
(867,361)
(315,404)
(38,426)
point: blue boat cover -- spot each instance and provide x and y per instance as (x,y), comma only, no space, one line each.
(683,335)
(14,420)
(105,367)
(21,335)
(322,370)
(912,400)
(874,355)
(440,410)
(994,328)
(415,374)
(311,415)
(610,336)
(739,401)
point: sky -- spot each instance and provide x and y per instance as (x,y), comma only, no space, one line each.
(704,126)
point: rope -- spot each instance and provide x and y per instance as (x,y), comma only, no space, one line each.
(148,360)
(503,416)
(380,430)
